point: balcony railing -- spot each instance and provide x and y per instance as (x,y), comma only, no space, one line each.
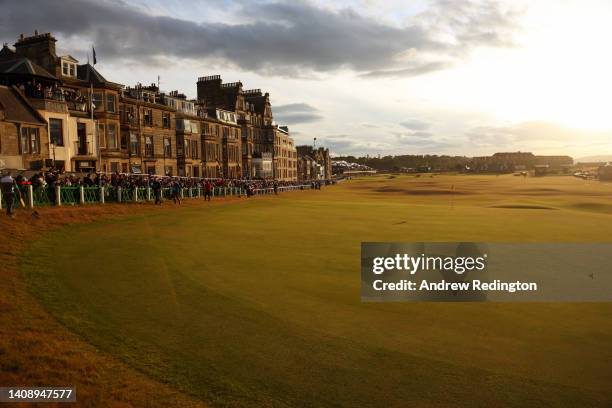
(83,148)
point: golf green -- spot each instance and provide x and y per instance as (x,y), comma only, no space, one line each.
(257,303)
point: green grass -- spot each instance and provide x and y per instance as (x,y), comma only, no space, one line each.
(258,303)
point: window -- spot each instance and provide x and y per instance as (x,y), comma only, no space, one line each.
(124,167)
(149,152)
(128,115)
(194,149)
(205,128)
(167,147)
(68,69)
(101,135)
(124,140)
(186,144)
(97,101)
(25,140)
(168,170)
(56,132)
(110,103)
(166,120)
(134,145)
(30,140)
(114,167)
(111,136)
(148,117)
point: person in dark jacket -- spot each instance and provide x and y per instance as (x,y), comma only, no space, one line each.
(8,185)
(176,192)
(157,191)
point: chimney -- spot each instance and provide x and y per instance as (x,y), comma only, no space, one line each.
(40,48)
(209,86)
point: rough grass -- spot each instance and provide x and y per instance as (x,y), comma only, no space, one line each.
(257,304)
(37,351)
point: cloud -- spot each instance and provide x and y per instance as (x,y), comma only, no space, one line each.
(295,107)
(415,124)
(537,136)
(415,70)
(282,38)
(295,113)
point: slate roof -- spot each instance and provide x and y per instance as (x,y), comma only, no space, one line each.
(24,66)
(16,108)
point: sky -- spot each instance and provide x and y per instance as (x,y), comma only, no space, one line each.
(377,77)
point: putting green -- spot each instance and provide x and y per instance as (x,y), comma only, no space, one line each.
(257,303)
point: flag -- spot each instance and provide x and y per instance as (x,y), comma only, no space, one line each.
(94,55)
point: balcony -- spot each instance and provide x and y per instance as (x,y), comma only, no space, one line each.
(57,100)
(83,149)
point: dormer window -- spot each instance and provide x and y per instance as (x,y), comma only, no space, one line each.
(68,69)
(69,66)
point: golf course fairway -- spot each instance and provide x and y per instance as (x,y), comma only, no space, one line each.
(257,303)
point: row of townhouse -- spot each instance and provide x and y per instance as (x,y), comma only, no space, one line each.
(82,122)
(313,163)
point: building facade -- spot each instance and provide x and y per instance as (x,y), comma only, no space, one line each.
(23,132)
(93,124)
(314,163)
(148,134)
(60,91)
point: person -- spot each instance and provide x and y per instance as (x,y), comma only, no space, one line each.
(9,188)
(156,186)
(208,190)
(176,192)
(87,181)
(275,188)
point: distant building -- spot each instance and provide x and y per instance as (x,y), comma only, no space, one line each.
(604,173)
(518,161)
(541,169)
(314,164)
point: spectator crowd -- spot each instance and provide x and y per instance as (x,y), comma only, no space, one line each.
(52,178)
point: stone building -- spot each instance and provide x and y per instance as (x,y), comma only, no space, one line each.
(308,169)
(188,134)
(314,163)
(212,147)
(148,133)
(259,135)
(285,155)
(225,103)
(262,165)
(23,132)
(60,90)
(95,124)
(227,128)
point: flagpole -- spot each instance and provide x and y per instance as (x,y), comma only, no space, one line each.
(93,123)
(96,133)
